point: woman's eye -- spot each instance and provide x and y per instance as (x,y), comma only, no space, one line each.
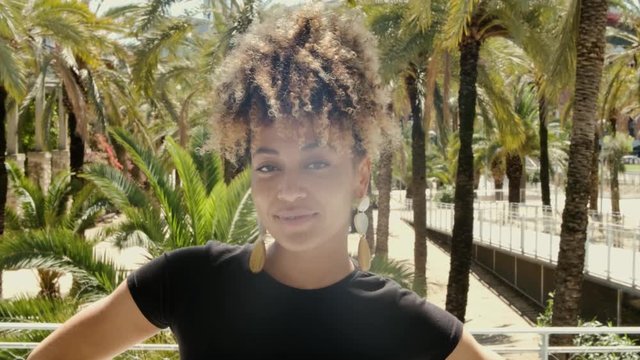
(266,168)
(317,165)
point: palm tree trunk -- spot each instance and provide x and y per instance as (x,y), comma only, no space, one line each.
(371,241)
(76,145)
(498,178)
(514,174)
(462,237)
(595,179)
(3,170)
(498,184)
(573,234)
(445,92)
(384,202)
(544,151)
(419,184)
(615,189)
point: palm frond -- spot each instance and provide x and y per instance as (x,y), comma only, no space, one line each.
(154,11)
(115,186)
(12,76)
(156,175)
(458,19)
(142,227)
(396,270)
(193,193)
(508,122)
(39,309)
(30,197)
(147,56)
(61,250)
(210,166)
(56,200)
(12,221)
(564,52)
(88,204)
(226,200)
(244,226)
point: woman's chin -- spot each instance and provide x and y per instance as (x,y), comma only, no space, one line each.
(296,243)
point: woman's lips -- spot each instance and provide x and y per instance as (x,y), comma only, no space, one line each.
(295,219)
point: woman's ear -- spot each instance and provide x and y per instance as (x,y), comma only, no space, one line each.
(363,174)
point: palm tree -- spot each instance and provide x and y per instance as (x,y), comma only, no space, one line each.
(174,52)
(589,63)
(68,38)
(161,216)
(385,167)
(469,24)
(40,210)
(614,147)
(11,86)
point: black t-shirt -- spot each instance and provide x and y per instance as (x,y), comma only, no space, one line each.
(218,309)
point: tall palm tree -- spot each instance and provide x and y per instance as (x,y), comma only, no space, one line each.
(12,86)
(405,33)
(385,167)
(589,63)
(469,24)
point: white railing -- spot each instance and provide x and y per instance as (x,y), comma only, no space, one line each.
(612,250)
(543,347)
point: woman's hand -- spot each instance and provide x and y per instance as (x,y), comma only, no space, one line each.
(101,331)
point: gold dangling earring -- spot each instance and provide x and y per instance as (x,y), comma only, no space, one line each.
(361,222)
(259,252)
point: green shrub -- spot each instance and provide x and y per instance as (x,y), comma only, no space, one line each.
(446,195)
(544,319)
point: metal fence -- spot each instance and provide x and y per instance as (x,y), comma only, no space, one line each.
(612,250)
(542,348)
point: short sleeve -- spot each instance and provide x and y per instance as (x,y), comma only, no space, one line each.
(446,328)
(436,330)
(149,287)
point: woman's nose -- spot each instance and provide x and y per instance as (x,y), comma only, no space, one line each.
(290,189)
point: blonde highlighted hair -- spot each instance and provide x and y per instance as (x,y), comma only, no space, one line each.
(309,65)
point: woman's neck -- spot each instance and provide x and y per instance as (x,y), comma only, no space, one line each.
(313,269)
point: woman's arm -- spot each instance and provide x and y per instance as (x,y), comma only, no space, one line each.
(469,349)
(101,331)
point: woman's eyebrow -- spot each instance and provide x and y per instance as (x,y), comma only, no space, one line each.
(271,151)
(266,150)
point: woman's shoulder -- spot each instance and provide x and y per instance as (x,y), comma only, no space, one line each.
(212,253)
(422,321)
(406,303)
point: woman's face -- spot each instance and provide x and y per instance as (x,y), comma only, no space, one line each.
(303,193)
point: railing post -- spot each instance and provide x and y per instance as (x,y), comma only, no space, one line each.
(522,224)
(553,223)
(510,230)
(590,235)
(536,220)
(480,223)
(491,222)
(544,349)
(635,249)
(609,241)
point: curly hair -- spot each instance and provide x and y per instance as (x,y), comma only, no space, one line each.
(310,65)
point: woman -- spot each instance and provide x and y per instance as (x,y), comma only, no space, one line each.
(300,94)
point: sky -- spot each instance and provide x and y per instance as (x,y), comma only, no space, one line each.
(177,8)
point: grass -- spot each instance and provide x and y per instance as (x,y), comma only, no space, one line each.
(632,167)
